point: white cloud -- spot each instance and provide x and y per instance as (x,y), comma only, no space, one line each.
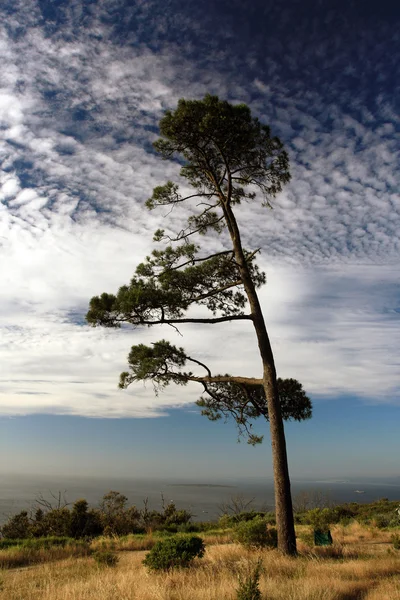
(10,186)
(78,114)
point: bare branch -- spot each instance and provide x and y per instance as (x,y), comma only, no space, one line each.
(201,364)
(213,292)
(192,261)
(222,379)
(188,320)
(176,329)
(60,500)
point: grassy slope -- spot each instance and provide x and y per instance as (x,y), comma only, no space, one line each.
(360,565)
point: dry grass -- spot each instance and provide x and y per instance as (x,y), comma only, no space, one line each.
(128,543)
(360,566)
(22,557)
(146,542)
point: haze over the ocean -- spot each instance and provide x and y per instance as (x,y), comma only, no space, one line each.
(83,86)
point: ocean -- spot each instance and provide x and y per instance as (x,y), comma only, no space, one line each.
(204,499)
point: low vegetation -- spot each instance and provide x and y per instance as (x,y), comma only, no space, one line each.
(249,586)
(256,534)
(112,518)
(25,553)
(234,562)
(174,552)
(362,563)
(106,558)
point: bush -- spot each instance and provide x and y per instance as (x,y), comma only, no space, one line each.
(105,558)
(248,588)
(231,520)
(321,518)
(382,521)
(396,541)
(255,534)
(174,552)
(17,526)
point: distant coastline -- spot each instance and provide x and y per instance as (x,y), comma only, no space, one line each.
(207,485)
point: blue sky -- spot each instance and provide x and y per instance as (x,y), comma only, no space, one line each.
(83,86)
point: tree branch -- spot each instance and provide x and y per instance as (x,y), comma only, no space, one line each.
(201,364)
(187,320)
(222,379)
(213,292)
(196,260)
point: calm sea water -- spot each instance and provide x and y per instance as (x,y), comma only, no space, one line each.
(203,499)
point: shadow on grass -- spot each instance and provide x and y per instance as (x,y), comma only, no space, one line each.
(353,595)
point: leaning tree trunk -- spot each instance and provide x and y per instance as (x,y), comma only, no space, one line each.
(283,497)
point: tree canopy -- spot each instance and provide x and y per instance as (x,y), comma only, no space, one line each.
(227,157)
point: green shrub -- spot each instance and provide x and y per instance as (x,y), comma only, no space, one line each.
(248,587)
(17,526)
(106,558)
(174,552)
(344,513)
(381,521)
(255,534)
(231,520)
(396,541)
(321,518)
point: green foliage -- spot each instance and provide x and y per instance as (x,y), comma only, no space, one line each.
(382,520)
(36,544)
(106,558)
(156,362)
(380,513)
(321,518)
(115,517)
(84,522)
(396,541)
(170,519)
(57,522)
(47,542)
(209,134)
(227,154)
(174,552)
(249,586)
(227,520)
(17,526)
(164,287)
(248,402)
(256,534)
(367,513)
(176,517)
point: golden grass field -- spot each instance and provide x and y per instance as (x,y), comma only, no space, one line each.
(361,565)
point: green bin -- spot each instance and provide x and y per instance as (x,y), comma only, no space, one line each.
(322,538)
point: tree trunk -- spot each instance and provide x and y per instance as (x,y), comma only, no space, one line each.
(283,497)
